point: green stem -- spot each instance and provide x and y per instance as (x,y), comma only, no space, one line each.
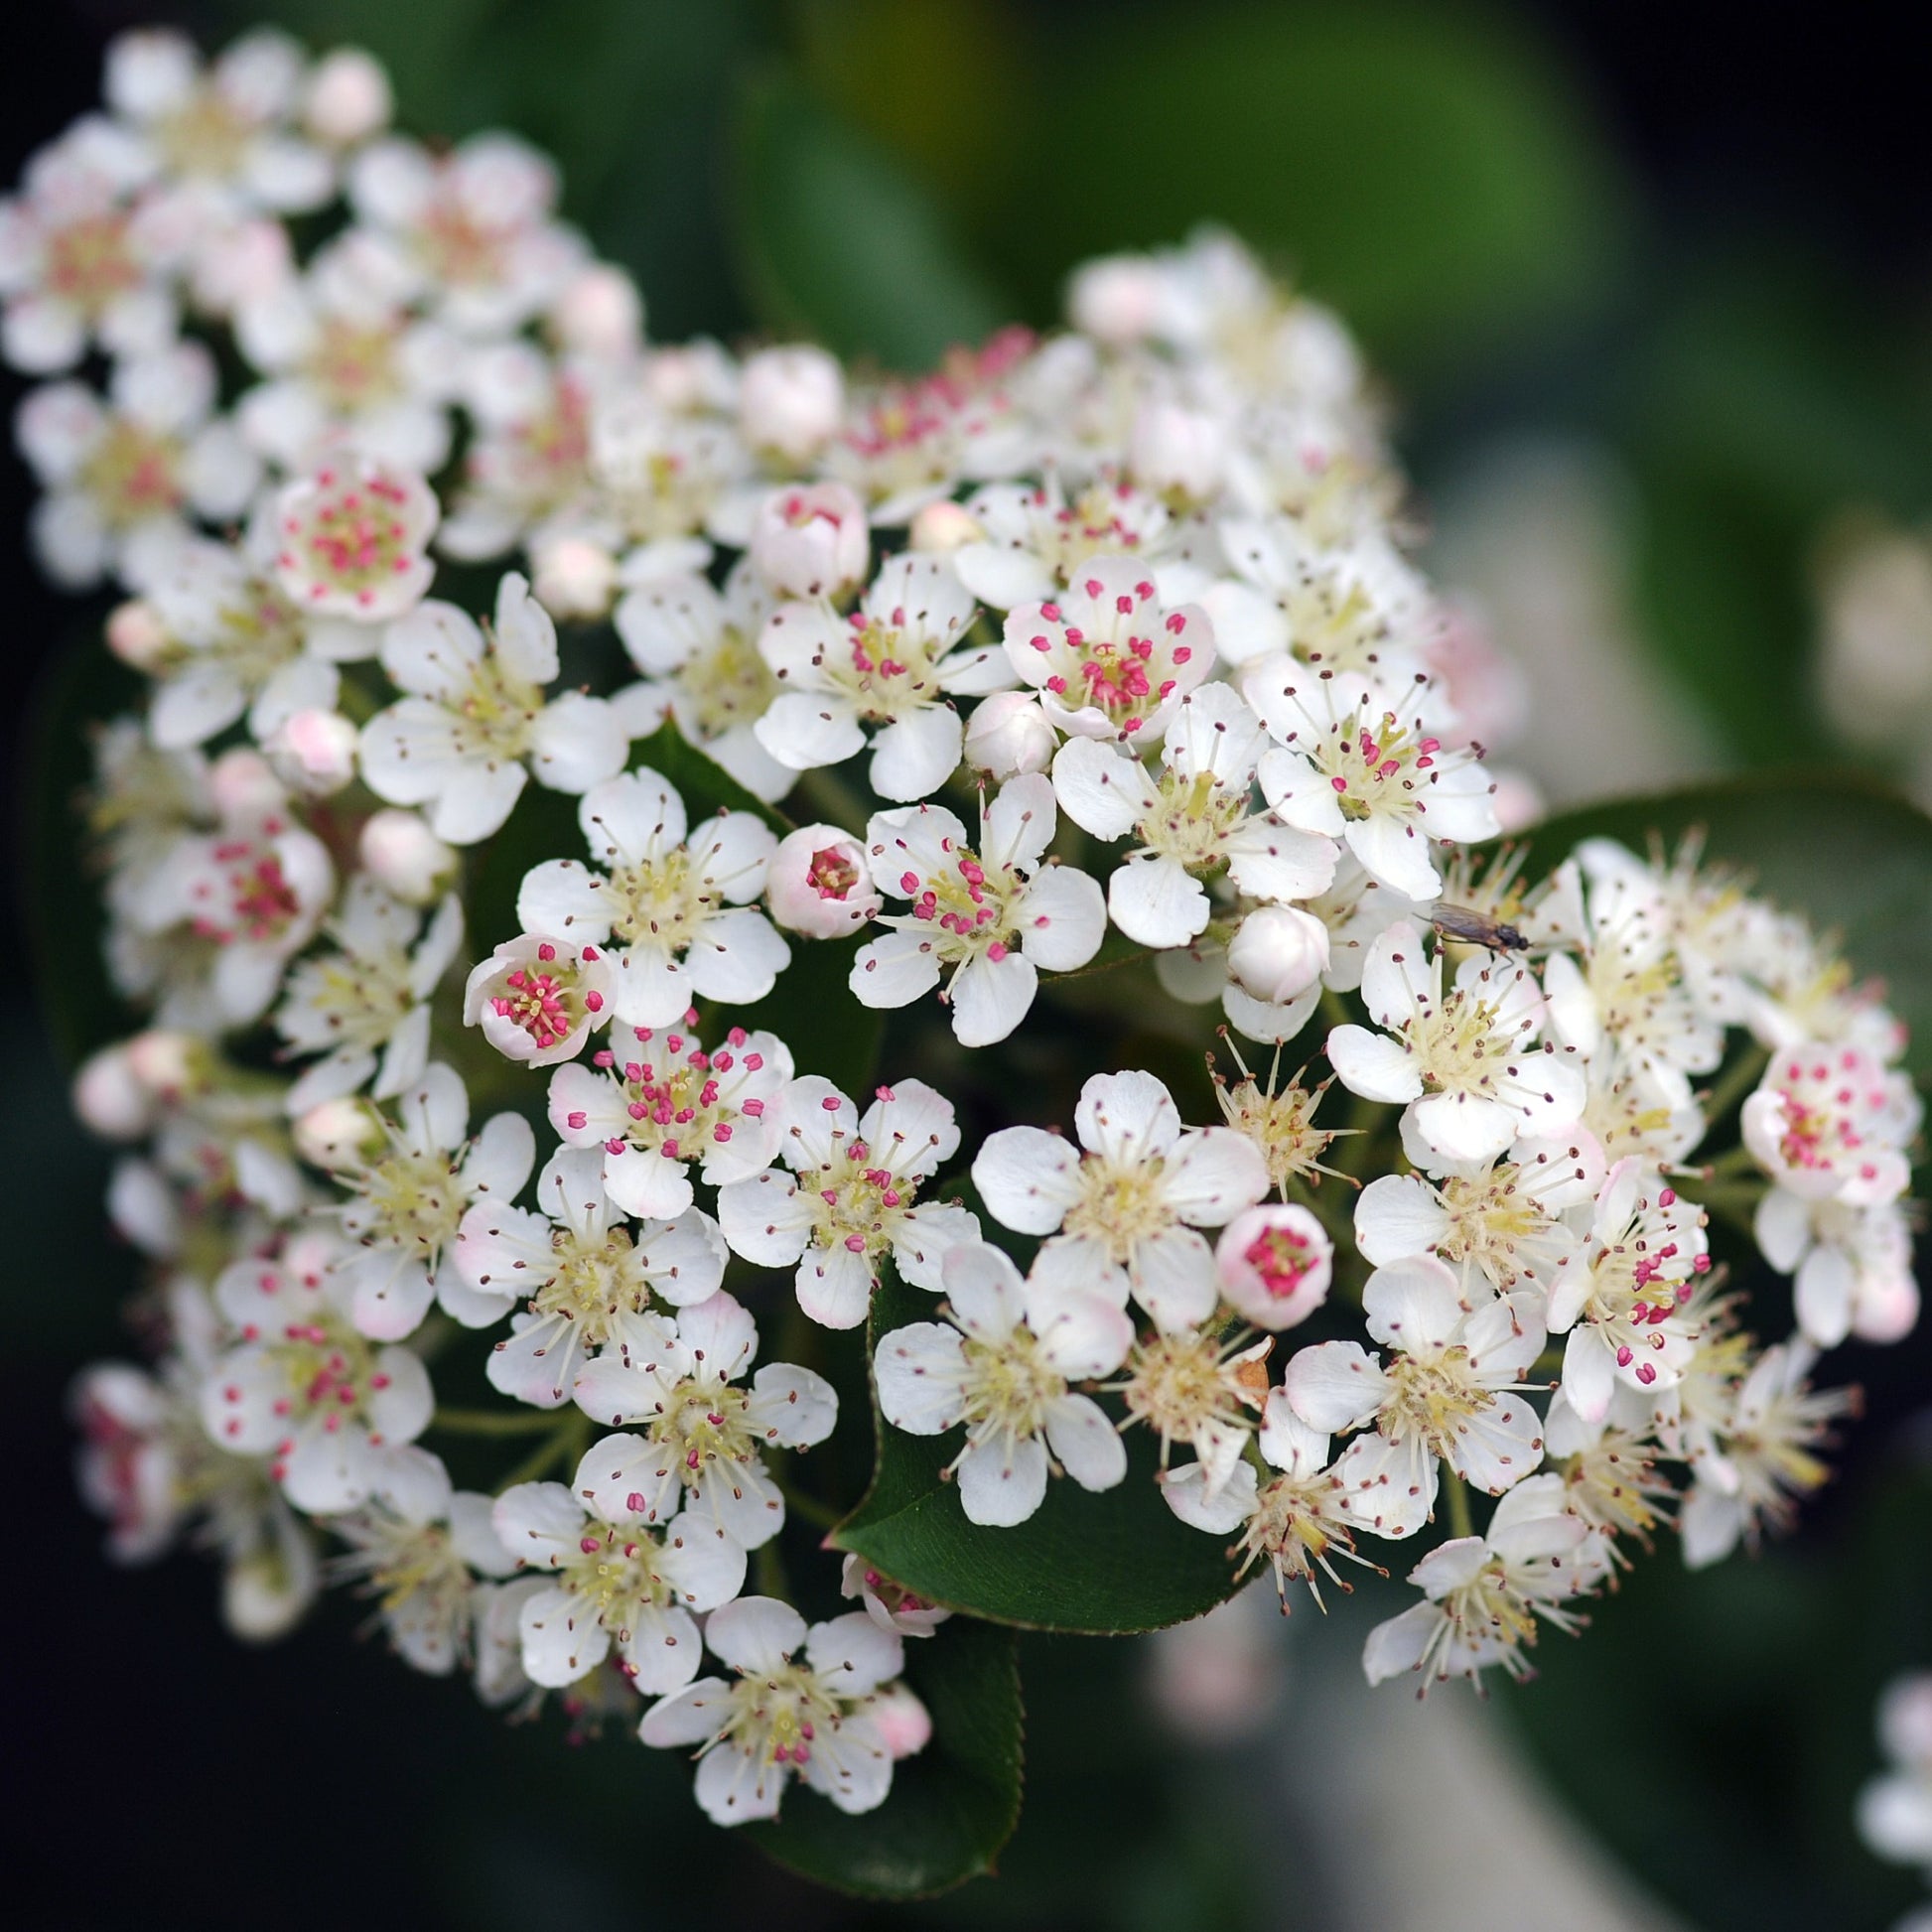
(1736,1081)
(820,1515)
(1458,1493)
(1737,1159)
(834,799)
(570,1438)
(493,1422)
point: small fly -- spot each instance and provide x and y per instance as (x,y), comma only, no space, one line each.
(1473,928)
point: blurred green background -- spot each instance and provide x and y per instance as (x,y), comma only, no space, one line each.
(1649,296)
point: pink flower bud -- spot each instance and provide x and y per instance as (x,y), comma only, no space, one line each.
(166,1063)
(539,1000)
(905,1724)
(1275,1265)
(110,1097)
(811,540)
(314,751)
(337,1134)
(348,98)
(1009,734)
(1117,299)
(245,786)
(406,856)
(818,884)
(136,634)
(1178,452)
(600,315)
(944,526)
(574,577)
(790,401)
(1278,951)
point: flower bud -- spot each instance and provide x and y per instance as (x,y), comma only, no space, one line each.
(600,315)
(539,999)
(1178,452)
(1009,734)
(166,1063)
(406,858)
(790,401)
(574,577)
(314,751)
(903,1723)
(1886,1308)
(136,634)
(110,1098)
(1275,1265)
(348,98)
(337,1134)
(945,526)
(811,540)
(1117,299)
(1278,951)
(244,786)
(818,884)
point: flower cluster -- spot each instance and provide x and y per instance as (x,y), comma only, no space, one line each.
(1092,654)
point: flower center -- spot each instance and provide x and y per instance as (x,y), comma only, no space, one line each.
(665,901)
(705,1424)
(360,997)
(1120,1205)
(887,669)
(1194,819)
(857,1204)
(206,137)
(614,1574)
(352,537)
(1430,1395)
(1282,1259)
(1177,1384)
(410,1200)
(777,1715)
(1280,1124)
(594,1279)
(258,904)
(354,365)
(89,263)
(682,1108)
(1122,664)
(132,474)
(1007,1385)
(1457,1041)
(727,683)
(1374,771)
(546,1000)
(1292,1529)
(969,904)
(1111,517)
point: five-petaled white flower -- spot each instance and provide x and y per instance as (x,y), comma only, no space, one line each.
(994,916)
(1124,1209)
(1001,1364)
(672,902)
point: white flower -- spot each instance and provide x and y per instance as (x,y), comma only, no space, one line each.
(1028,541)
(539,999)
(411,1181)
(818,884)
(476,716)
(790,401)
(1486,1592)
(1829,1122)
(1353,764)
(851,1198)
(703,1436)
(350,538)
(1895,1811)
(333,1414)
(422,1565)
(1275,1265)
(994,916)
(1465,1061)
(676,915)
(1621,1295)
(347,98)
(78,263)
(890,1605)
(893,663)
(1107,657)
(1190,821)
(125,476)
(810,540)
(1123,1210)
(1001,1364)
(662,1105)
(1195,1387)
(1451,1390)
(1295,1521)
(411,861)
(366,1005)
(698,651)
(1498,1223)
(1852,1266)
(1769,1458)
(588,1279)
(813,1716)
(612,1582)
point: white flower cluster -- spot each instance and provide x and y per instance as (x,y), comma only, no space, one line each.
(1894,1810)
(1141,611)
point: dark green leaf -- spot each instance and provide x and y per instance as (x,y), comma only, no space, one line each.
(1851,856)
(951,1807)
(1099,1564)
(837,241)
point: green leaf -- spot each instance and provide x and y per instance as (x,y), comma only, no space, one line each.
(836,239)
(1854,857)
(1090,1565)
(951,1807)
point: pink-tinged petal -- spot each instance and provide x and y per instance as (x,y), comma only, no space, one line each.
(1028,1178)
(1335,1385)
(1084,1443)
(1001,1483)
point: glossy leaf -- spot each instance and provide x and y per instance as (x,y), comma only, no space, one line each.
(1854,857)
(952,1807)
(1100,1565)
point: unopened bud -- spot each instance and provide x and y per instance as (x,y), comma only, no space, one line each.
(818,884)
(337,1134)
(1178,452)
(314,751)
(1009,734)
(903,1723)
(1278,951)
(574,578)
(600,315)
(110,1099)
(244,786)
(136,634)
(790,401)
(1117,299)
(1275,1265)
(349,99)
(811,540)
(945,526)
(405,857)
(166,1063)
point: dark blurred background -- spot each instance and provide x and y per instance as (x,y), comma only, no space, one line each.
(1652,291)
